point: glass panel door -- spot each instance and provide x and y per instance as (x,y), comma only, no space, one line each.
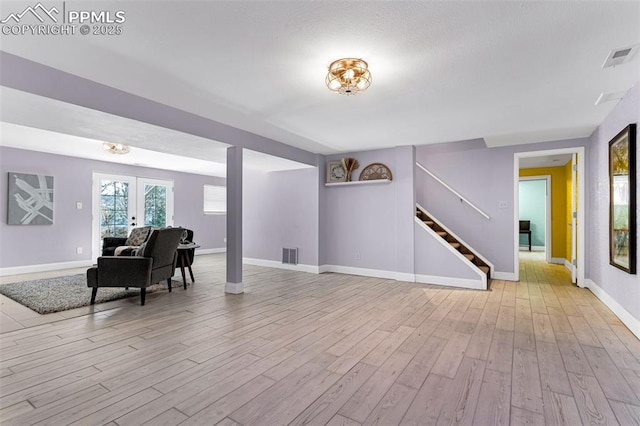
(116,208)
(125,202)
(155,202)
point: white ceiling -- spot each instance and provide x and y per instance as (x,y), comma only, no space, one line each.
(545,161)
(509,72)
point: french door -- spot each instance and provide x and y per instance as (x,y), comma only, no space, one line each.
(121,203)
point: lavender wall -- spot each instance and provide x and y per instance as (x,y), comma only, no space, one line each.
(36,245)
(433,259)
(485,177)
(622,287)
(281,210)
(363,220)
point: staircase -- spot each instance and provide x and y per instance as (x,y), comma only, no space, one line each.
(454,242)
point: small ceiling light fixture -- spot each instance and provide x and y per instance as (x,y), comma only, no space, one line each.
(348,76)
(115,148)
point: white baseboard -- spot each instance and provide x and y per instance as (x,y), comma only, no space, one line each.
(561,261)
(629,320)
(211,251)
(533,248)
(28,269)
(312,269)
(505,276)
(451,282)
(234,288)
(365,272)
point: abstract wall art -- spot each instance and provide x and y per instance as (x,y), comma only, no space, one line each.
(30,199)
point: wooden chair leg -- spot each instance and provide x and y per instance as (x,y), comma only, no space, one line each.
(94,292)
(169,284)
(143,293)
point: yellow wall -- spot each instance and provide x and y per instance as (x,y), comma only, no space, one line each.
(567,171)
(559,207)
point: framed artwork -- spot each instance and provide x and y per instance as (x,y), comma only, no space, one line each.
(622,200)
(30,199)
(336,172)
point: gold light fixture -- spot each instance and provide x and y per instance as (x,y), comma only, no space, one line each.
(348,76)
(115,148)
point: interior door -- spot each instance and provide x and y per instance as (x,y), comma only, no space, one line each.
(574,217)
(123,202)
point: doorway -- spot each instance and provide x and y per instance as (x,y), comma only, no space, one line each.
(535,207)
(572,225)
(121,203)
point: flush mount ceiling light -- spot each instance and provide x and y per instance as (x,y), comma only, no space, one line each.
(115,148)
(348,76)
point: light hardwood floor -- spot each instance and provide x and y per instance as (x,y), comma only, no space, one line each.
(330,349)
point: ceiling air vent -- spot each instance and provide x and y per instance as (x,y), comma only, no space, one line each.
(608,97)
(620,56)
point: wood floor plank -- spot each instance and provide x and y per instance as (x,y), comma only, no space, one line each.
(541,351)
(224,406)
(328,404)
(462,396)
(362,403)
(573,356)
(452,354)
(591,402)
(553,376)
(339,420)
(495,399)
(609,377)
(560,409)
(426,406)
(392,407)
(522,417)
(625,413)
(526,391)
(420,366)
(500,355)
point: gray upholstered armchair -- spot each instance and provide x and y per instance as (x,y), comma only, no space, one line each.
(154,262)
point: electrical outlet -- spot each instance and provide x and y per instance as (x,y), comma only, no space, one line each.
(78,250)
(79,205)
(503,204)
(224,239)
(358,255)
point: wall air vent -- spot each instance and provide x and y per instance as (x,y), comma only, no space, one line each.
(290,256)
(620,56)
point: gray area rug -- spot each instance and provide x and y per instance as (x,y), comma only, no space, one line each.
(63,293)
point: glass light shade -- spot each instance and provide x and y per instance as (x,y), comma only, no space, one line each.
(115,148)
(348,76)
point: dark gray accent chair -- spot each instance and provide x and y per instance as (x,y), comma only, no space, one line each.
(155,261)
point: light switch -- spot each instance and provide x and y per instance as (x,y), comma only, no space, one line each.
(79,205)
(503,204)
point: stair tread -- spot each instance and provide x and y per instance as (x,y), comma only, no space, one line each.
(484,269)
(441,233)
(468,256)
(455,245)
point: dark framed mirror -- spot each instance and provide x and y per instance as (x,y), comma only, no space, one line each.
(622,200)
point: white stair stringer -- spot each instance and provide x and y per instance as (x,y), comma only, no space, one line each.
(454,235)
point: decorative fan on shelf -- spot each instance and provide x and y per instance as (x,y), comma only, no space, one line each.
(349,164)
(376,171)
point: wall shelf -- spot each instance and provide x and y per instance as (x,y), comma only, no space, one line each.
(359,182)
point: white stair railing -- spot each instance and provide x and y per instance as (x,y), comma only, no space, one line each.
(457,194)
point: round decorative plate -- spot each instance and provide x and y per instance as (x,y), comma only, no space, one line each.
(375,171)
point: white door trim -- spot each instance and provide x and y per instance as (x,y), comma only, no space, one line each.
(580,150)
